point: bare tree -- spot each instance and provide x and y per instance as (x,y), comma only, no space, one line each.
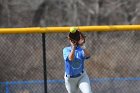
(39,14)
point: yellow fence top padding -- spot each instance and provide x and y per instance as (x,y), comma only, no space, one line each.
(66,29)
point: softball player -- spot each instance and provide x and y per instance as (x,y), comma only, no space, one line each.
(75,76)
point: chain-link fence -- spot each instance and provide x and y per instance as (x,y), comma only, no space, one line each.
(113,67)
(20,60)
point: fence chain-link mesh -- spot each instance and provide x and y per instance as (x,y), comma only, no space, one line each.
(113,67)
(20,60)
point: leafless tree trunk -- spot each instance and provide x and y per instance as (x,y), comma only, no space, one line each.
(1,9)
(39,14)
(5,7)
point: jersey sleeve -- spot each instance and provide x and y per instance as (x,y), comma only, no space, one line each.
(66,53)
(83,54)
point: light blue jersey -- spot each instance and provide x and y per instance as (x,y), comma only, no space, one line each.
(77,65)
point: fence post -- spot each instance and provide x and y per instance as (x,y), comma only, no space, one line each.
(44,62)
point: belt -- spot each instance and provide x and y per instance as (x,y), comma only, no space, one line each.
(74,76)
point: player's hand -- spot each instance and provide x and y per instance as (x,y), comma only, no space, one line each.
(73,43)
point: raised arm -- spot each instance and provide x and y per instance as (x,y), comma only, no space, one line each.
(86,52)
(71,55)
